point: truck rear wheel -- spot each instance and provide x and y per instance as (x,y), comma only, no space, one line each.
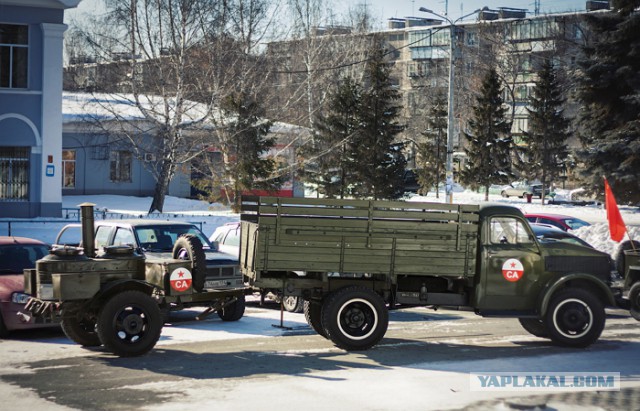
(130,323)
(233,311)
(534,327)
(313,314)
(77,327)
(634,301)
(189,247)
(575,318)
(355,318)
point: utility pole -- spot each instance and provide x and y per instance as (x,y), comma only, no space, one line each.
(450,100)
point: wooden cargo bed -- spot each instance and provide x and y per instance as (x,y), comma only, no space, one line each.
(358,236)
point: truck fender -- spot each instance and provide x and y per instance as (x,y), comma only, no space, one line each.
(577,280)
(115,287)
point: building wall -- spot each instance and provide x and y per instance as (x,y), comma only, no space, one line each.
(92,169)
(30,116)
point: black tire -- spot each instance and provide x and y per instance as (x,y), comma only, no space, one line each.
(233,311)
(313,314)
(619,256)
(504,194)
(4,332)
(634,301)
(575,318)
(355,318)
(293,304)
(79,328)
(130,323)
(189,247)
(534,327)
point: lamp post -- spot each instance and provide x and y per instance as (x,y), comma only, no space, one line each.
(449,160)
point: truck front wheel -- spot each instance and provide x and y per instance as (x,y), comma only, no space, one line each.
(130,323)
(355,318)
(534,327)
(233,311)
(575,318)
(78,327)
(634,301)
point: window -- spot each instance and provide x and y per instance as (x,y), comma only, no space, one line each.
(68,168)
(123,237)
(102,236)
(509,230)
(14,173)
(120,166)
(14,52)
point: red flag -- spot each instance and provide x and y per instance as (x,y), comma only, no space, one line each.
(616,225)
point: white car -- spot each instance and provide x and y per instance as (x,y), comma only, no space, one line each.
(228,238)
(516,189)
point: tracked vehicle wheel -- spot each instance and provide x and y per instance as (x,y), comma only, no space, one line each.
(189,247)
(130,323)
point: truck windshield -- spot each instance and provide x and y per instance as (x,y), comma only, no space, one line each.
(508,230)
(162,238)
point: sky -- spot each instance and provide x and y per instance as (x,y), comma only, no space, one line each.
(385,9)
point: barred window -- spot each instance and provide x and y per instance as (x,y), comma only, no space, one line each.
(14,53)
(14,173)
(120,166)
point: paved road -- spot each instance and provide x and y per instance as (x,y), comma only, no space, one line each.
(423,363)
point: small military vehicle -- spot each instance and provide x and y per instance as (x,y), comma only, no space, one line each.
(115,294)
(359,258)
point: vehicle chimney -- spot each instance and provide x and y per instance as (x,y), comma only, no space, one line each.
(88,230)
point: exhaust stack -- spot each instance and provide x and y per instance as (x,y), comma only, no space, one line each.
(88,229)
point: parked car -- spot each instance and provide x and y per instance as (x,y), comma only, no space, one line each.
(227,237)
(16,254)
(517,189)
(551,233)
(563,222)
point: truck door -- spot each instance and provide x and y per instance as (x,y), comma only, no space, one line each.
(512,266)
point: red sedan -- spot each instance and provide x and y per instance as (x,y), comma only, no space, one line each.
(16,254)
(563,222)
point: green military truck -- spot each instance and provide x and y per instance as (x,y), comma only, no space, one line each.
(358,258)
(115,294)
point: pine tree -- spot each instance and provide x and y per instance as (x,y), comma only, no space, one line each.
(545,143)
(245,165)
(326,162)
(432,151)
(609,90)
(489,141)
(376,161)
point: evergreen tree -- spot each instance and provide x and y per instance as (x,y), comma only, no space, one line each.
(609,90)
(545,143)
(326,164)
(246,168)
(489,141)
(432,151)
(376,162)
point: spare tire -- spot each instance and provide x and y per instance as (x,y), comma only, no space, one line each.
(189,247)
(618,256)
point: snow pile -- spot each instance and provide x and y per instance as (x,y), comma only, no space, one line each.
(598,236)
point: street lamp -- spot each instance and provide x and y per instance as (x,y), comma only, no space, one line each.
(449,161)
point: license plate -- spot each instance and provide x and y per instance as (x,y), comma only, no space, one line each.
(214,284)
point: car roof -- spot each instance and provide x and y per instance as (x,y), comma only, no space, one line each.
(550,215)
(8,240)
(143,222)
